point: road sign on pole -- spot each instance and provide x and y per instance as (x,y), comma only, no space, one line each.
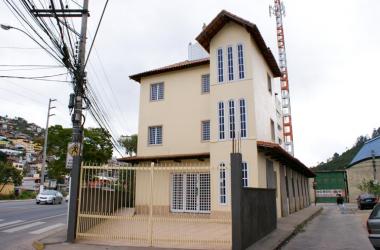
(73,149)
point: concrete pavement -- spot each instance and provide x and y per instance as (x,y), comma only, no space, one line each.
(286,228)
(334,229)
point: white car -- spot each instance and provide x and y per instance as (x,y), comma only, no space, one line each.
(49,197)
(67,198)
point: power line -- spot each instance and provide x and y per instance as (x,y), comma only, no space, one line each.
(96,32)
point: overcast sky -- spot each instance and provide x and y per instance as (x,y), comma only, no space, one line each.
(332,49)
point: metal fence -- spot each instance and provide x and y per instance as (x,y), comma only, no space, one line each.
(160,205)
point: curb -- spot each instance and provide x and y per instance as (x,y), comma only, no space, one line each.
(297,229)
(38,245)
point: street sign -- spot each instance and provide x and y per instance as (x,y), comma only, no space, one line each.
(73,149)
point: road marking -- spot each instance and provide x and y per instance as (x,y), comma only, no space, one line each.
(10,223)
(15,229)
(45,229)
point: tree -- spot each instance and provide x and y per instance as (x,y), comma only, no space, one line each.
(97,148)
(129,143)
(9,174)
(370,187)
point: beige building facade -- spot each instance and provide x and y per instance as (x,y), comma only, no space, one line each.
(191,112)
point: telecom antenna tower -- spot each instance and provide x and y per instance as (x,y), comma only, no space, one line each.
(278,10)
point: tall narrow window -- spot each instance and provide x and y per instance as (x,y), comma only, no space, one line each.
(272,131)
(222,184)
(241,61)
(221,120)
(157,91)
(155,135)
(230,64)
(269,82)
(244,174)
(231,115)
(220,65)
(243,119)
(205,130)
(205,84)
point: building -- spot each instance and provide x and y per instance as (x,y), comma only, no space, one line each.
(191,111)
(364,166)
(330,184)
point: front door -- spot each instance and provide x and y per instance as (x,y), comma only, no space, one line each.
(190,192)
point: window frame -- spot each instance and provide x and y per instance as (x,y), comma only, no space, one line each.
(157,84)
(244,179)
(230,63)
(221,121)
(222,168)
(269,84)
(231,119)
(220,65)
(203,132)
(272,130)
(155,144)
(241,67)
(241,115)
(202,84)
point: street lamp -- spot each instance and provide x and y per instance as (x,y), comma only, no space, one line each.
(8,27)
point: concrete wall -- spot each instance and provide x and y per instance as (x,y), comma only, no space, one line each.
(357,173)
(259,216)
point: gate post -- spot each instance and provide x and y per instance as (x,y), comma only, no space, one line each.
(236,199)
(151,204)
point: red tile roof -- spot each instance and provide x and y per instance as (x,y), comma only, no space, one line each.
(224,17)
(177,66)
(277,152)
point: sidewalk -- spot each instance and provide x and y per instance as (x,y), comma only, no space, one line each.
(56,241)
(286,228)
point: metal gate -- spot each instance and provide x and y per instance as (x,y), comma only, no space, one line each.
(162,205)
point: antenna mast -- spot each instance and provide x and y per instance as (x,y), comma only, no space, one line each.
(278,10)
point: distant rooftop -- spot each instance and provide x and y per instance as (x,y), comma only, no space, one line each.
(371,147)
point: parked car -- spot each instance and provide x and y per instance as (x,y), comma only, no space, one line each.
(366,201)
(67,198)
(49,197)
(373,227)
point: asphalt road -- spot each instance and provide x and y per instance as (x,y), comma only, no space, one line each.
(334,229)
(22,222)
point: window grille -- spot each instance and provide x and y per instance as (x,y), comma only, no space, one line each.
(205,130)
(221,120)
(231,106)
(205,84)
(244,174)
(220,65)
(155,135)
(241,61)
(157,91)
(243,119)
(230,64)
(222,184)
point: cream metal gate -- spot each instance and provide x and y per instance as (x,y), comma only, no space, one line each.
(132,205)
